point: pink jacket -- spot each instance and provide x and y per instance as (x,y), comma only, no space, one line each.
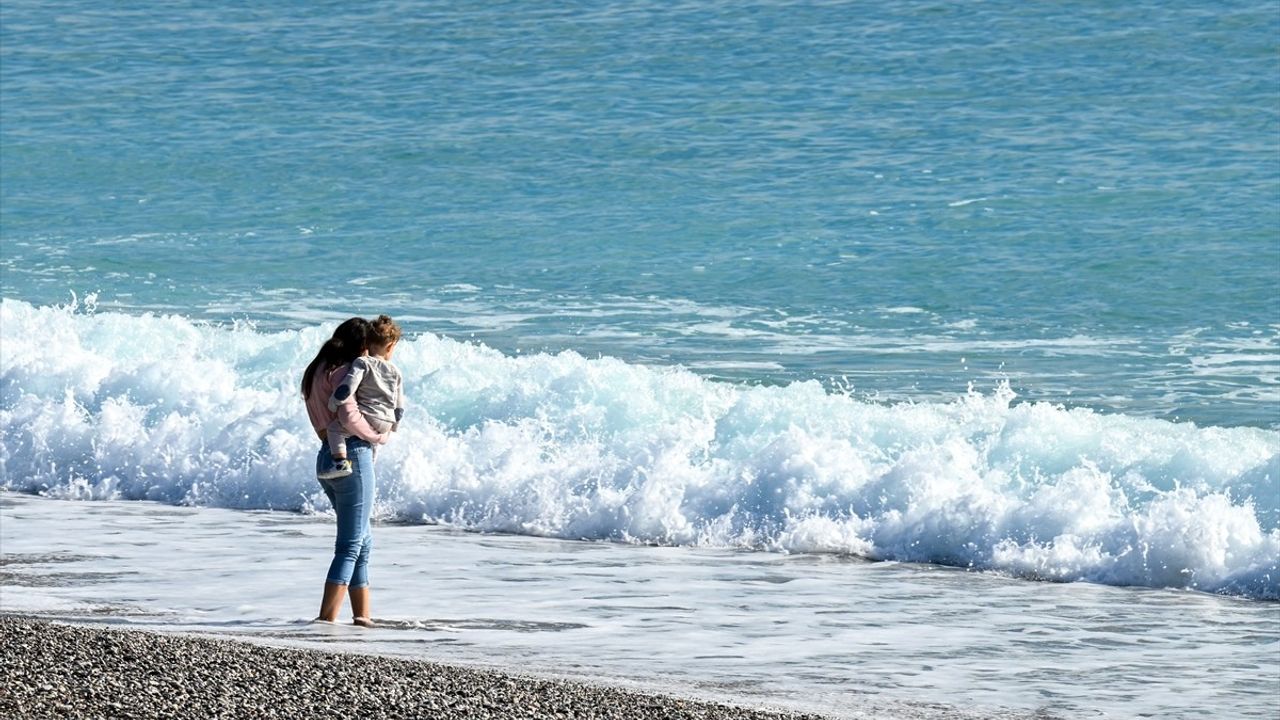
(322,386)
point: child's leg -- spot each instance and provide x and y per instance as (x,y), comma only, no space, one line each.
(339,467)
(337,439)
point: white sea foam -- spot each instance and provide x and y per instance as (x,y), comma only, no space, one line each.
(108,405)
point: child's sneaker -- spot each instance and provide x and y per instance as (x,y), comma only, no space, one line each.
(341,468)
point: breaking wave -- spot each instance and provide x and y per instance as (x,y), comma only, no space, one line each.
(108,405)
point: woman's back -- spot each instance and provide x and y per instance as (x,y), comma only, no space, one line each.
(323,384)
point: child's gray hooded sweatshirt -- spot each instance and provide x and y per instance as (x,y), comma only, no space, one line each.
(379,391)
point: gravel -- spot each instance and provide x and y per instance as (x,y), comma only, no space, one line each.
(52,670)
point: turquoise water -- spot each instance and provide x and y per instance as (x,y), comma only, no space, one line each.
(895,199)
(992,287)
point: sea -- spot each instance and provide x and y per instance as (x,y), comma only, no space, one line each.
(865,358)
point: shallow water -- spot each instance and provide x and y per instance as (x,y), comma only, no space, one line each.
(807,631)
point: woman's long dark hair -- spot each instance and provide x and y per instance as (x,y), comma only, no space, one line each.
(347,344)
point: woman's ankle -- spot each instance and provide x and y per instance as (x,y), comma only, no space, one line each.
(361,605)
(331,602)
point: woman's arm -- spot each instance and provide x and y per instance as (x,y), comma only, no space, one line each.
(353,420)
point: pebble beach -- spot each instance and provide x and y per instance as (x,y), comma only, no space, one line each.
(64,671)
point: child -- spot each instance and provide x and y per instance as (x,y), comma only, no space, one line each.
(379,392)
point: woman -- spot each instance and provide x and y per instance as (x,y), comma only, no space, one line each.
(351,496)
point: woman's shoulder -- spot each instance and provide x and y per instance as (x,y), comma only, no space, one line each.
(325,380)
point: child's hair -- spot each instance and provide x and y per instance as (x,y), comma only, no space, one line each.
(384,331)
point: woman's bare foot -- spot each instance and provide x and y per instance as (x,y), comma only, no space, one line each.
(364,622)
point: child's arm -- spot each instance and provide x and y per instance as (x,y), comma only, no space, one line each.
(400,399)
(347,388)
(343,402)
(400,409)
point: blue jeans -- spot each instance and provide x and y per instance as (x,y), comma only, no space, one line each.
(352,500)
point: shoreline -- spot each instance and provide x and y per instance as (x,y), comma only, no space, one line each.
(56,669)
(53,669)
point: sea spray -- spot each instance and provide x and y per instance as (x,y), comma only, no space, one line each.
(108,405)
